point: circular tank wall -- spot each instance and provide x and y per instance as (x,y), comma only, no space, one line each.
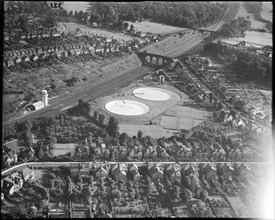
(127,107)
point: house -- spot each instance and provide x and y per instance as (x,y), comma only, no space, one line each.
(209,170)
(82,151)
(163,154)
(150,153)
(9,187)
(101,171)
(134,172)
(155,171)
(80,169)
(173,171)
(9,156)
(36,106)
(106,154)
(27,173)
(225,169)
(153,190)
(115,154)
(119,171)
(189,169)
(138,155)
(17,179)
(234,154)
(98,151)
(218,153)
(242,169)
(131,155)
(78,152)
(183,152)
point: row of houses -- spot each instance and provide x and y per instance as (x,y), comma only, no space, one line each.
(165,150)
(174,171)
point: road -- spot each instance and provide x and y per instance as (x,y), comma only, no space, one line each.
(42,165)
(230,15)
(104,86)
(197,42)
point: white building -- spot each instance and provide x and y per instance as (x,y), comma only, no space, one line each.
(44,97)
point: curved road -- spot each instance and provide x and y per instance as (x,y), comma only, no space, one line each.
(197,41)
(41,165)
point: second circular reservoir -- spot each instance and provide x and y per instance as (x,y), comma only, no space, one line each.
(152,94)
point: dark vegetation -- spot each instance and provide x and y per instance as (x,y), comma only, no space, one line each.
(246,64)
(236,28)
(182,14)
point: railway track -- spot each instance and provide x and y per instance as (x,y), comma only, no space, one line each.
(87,92)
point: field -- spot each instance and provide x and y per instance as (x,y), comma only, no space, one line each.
(243,13)
(70,26)
(253,37)
(156,28)
(266,12)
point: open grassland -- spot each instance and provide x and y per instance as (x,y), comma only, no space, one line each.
(266,14)
(156,28)
(253,37)
(267,11)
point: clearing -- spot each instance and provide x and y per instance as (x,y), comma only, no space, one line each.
(156,28)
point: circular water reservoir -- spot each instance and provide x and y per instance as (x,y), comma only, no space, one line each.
(127,107)
(152,94)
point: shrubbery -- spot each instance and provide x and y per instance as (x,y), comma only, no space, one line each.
(236,28)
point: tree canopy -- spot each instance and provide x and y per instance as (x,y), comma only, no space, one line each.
(182,14)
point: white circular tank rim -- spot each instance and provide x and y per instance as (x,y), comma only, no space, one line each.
(133,108)
(157,94)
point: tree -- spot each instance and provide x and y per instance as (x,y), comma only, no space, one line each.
(123,138)
(71,13)
(186,195)
(101,119)
(112,127)
(130,142)
(140,134)
(187,182)
(203,195)
(211,96)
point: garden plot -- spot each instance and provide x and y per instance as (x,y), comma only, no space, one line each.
(70,26)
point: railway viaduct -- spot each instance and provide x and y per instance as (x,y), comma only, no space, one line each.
(150,59)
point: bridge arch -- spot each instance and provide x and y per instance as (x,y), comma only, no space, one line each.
(160,61)
(153,59)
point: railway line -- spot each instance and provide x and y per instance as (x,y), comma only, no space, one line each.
(88,92)
(108,84)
